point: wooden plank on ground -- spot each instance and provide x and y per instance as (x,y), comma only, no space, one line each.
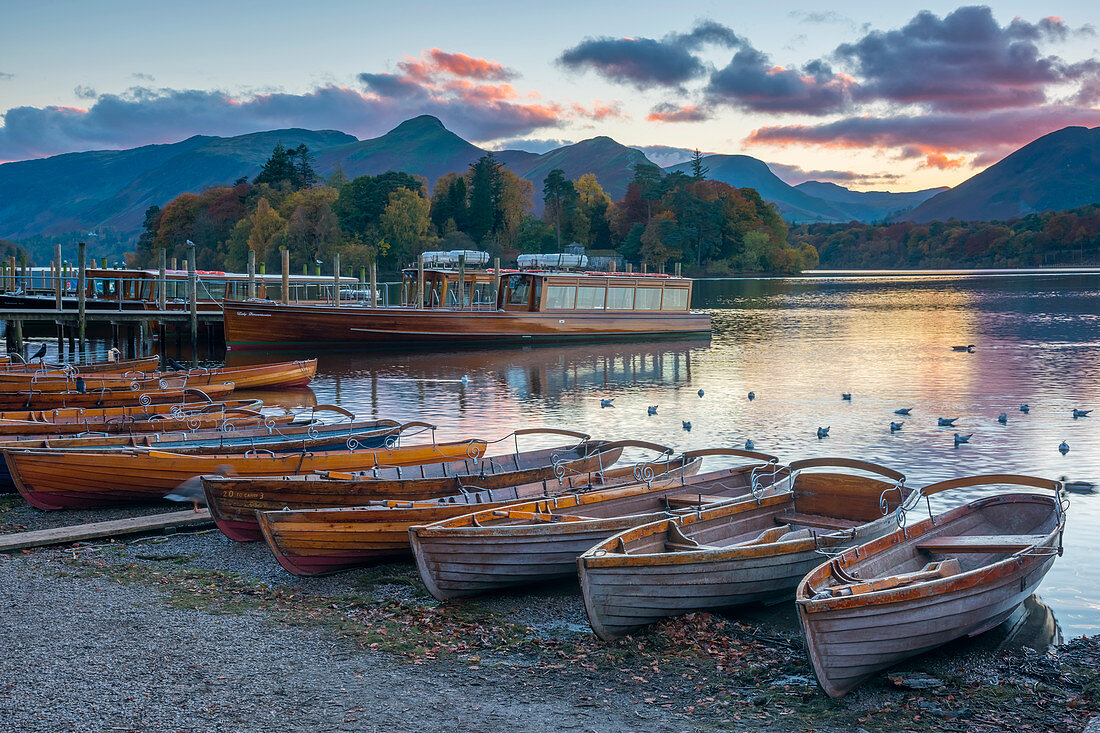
(187,518)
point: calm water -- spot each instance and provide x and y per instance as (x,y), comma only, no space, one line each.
(799,343)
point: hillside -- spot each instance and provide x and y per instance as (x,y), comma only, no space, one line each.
(1055,172)
(612,163)
(112,188)
(868,205)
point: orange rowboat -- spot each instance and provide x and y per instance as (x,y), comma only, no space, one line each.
(107,397)
(263,376)
(214,416)
(60,479)
(146,364)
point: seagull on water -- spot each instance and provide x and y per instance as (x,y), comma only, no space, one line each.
(687,425)
(895,426)
(700,393)
(968,347)
(823,432)
(1025,408)
(606,402)
(903,411)
(1003,418)
(962,438)
(846,396)
(1078,487)
(749,445)
(947,422)
(752,396)
(1080,413)
(653,409)
(1063,448)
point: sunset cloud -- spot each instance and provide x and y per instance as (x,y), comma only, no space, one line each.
(751,81)
(668,112)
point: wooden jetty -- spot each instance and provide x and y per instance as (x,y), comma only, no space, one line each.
(186,519)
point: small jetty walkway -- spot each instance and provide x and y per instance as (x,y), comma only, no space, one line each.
(186,519)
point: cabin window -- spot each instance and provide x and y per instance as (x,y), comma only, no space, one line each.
(620,298)
(648,299)
(676,299)
(211,290)
(518,291)
(561,296)
(590,297)
(485,294)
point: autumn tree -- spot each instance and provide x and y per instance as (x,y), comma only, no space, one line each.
(266,228)
(403,227)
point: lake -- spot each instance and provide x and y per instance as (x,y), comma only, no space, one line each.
(798,343)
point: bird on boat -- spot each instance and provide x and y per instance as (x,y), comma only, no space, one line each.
(752,396)
(1003,418)
(846,396)
(903,411)
(606,402)
(1063,448)
(749,445)
(823,432)
(1025,408)
(1078,487)
(963,438)
(653,409)
(175,365)
(687,425)
(968,347)
(40,353)
(700,393)
(947,422)
(895,426)
(81,386)
(1081,413)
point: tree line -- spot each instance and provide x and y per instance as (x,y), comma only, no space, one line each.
(1068,237)
(388,219)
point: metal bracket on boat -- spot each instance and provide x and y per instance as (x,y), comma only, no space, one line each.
(928,506)
(883,504)
(199,392)
(759,473)
(254,451)
(352,444)
(144,399)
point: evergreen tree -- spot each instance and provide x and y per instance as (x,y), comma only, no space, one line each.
(279,168)
(486,182)
(560,199)
(698,170)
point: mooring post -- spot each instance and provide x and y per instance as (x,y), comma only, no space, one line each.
(286,275)
(496,283)
(461,280)
(371,300)
(162,281)
(336,279)
(193,287)
(677,269)
(175,262)
(251,274)
(81,291)
(420,280)
(57,280)
(19,337)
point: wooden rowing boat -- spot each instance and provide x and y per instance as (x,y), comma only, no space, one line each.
(321,541)
(132,418)
(235,501)
(304,434)
(740,552)
(539,540)
(145,364)
(35,400)
(60,479)
(261,376)
(64,414)
(958,574)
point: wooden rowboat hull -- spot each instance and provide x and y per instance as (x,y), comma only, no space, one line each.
(81,480)
(322,541)
(234,503)
(851,638)
(146,364)
(32,400)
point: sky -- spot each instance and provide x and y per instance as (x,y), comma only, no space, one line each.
(871,95)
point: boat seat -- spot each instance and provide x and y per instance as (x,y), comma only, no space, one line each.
(777,534)
(536,517)
(818,521)
(992,543)
(681,501)
(679,542)
(931,571)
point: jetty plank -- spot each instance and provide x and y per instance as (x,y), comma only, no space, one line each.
(97,530)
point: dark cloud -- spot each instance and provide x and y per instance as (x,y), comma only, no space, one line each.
(647,62)
(668,112)
(751,81)
(392,86)
(794,175)
(964,61)
(989,135)
(143,116)
(84,92)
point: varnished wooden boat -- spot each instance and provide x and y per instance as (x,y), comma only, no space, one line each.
(540,540)
(134,418)
(59,479)
(35,400)
(959,574)
(321,541)
(304,434)
(261,376)
(740,552)
(145,364)
(63,414)
(234,501)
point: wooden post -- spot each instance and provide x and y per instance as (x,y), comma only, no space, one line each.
(57,284)
(336,278)
(251,273)
(162,282)
(103,263)
(175,263)
(614,264)
(496,282)
(81,290)
(462,281)
(677,269)
(19,337)
(372,299)
(286,276)
(645,268)
(420,280)
(629,267)
(193,288)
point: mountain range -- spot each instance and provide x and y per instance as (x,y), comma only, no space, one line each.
(98,189)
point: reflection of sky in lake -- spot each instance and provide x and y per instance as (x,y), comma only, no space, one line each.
(799,343)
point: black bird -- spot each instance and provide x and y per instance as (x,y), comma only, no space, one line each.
(175,365)
(81,387)
(40,353)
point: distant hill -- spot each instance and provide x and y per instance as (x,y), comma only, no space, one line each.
(612,162)
(1055,172)
(112,188)
(868,205)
